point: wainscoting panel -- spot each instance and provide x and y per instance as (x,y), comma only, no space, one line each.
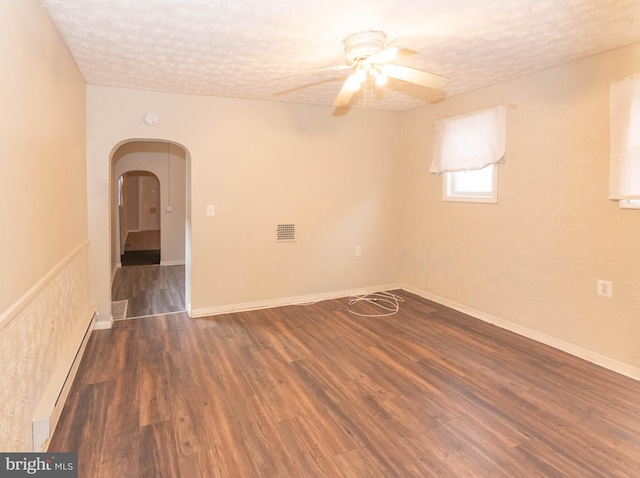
(36,335)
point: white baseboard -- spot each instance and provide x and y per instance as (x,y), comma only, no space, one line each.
(48,412)
(104,324)
(171,263)
(588,355)
(301,299)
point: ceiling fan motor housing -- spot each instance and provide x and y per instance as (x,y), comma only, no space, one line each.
(364,44)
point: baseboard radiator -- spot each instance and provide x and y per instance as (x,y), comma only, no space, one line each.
(50,408)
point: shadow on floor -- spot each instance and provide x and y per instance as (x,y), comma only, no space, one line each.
(140,258)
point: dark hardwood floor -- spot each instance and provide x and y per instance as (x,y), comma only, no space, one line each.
(150,290)
(142,241)
(313,391)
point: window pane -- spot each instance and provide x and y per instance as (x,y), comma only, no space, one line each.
(480,181)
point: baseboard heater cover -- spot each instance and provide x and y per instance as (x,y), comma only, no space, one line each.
(50,408)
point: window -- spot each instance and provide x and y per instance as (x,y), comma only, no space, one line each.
(629,203)
(480,185)
(466,151)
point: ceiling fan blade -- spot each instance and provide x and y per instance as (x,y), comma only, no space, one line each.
(318,70)
(419,77)
(390,54)
(345,94)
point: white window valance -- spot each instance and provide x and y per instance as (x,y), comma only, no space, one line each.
(469,142)
(624,122)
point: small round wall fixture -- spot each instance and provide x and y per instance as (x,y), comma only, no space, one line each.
(151,118)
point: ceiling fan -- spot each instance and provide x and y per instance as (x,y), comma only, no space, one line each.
(369,57)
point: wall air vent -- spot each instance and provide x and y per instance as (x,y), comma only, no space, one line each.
(285,232)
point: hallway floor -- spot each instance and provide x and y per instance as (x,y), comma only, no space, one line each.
(150,290)
(142,241)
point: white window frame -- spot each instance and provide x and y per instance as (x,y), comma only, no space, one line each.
(629,203)
(449,192)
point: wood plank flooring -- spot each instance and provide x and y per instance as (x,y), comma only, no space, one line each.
(142,241)
(313,391)
(150,290)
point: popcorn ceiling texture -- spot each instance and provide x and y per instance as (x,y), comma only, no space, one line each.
(240,49)
(32,345)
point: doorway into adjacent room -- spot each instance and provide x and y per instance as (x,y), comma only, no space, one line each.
(139,204)
(149,229)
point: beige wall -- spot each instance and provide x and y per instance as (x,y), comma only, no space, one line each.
(43,281)
(532,261)
(261,163)
(42,133)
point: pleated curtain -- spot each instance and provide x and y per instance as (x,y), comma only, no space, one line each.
(624,119)
(470,141)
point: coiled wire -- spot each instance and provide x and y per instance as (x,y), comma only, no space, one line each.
(387,301)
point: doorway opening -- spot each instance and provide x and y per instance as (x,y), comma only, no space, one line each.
(139,213)
(149,229)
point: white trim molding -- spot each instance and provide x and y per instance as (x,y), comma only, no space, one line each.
(172,263)
(9,314)
(115,271)
(104,324)
(297,300)
(575,350)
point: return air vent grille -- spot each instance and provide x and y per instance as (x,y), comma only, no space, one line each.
(285,232)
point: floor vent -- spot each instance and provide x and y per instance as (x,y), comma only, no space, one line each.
(285,232)
(119,309)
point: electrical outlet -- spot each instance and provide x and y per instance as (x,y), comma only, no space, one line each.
(605,288)
(358,251)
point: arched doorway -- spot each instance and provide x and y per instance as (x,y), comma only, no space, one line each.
(148,228)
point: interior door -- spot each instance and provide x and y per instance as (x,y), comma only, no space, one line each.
(149,201)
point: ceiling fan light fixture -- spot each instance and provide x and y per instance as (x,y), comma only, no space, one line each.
(387,70)
(368,58)
(364,44)
(388,54)
(353,82)
(360,75)
(381,79)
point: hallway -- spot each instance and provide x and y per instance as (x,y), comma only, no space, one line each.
(150,290)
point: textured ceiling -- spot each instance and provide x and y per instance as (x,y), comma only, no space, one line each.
(240,48)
